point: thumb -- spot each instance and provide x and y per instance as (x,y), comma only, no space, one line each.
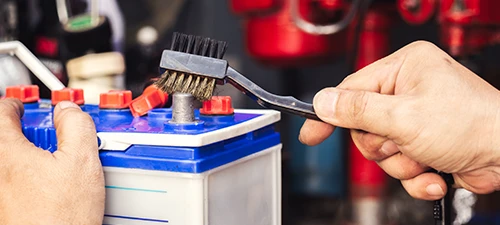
(368,111)
(75,130)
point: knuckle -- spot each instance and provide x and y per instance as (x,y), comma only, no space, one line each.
(423,45)
(429,50)
(359,101)
(346,80)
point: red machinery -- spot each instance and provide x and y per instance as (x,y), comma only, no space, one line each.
(466,26)
(272,37)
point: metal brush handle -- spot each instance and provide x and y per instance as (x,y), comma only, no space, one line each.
(442,208)
(268,100)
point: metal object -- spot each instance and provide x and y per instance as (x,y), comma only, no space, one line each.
(416,12)
(182,108)
(34,65)
(62,11)
(467,27)
(311,28)
(442,207)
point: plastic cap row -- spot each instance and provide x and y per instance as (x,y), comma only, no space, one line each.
(151,98)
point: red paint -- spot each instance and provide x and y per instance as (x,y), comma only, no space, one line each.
(25,93)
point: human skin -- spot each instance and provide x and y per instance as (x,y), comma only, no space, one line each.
(37,187)
(414,110)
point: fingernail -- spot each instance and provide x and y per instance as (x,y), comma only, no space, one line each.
(434,190)
(325,102)
(389,148)
(67,104)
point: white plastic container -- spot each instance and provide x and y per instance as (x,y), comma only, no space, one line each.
(246,191)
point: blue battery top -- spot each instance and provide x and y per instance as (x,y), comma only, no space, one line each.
(38,127)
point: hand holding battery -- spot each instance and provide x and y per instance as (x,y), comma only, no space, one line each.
(37,187)
(414,110)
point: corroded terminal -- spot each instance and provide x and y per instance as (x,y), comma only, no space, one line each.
(183,108)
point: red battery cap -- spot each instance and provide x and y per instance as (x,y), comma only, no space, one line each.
(151,98)
(25,93)
(115,99)
(68,94)
(218,105)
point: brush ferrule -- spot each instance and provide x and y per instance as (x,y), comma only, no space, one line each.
(193,64)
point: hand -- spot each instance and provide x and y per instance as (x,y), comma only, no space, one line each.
(413,110)
(37,187)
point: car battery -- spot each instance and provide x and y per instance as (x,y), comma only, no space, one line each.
(224,168)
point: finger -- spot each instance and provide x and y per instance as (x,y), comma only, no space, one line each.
(368,111)
(11,111)
(381,76)
(402,167)
(372,146)
(314,132)
(75,130)
(426,186)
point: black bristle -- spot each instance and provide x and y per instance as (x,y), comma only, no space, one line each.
(182,43)
(221,49)
(204,47)
(213,48)
(175,41)
(197,44)
(189,45)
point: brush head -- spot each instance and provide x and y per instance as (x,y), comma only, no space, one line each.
(200,87)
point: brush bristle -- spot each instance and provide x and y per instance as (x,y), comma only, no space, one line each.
(200,87)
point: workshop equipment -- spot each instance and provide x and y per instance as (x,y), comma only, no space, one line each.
(180,165)
(272,37)
(92,63)
(49,45)
(12,71)
(367,180)
(44,75)
(468,26)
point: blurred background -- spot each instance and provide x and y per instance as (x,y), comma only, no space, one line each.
(289,47)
